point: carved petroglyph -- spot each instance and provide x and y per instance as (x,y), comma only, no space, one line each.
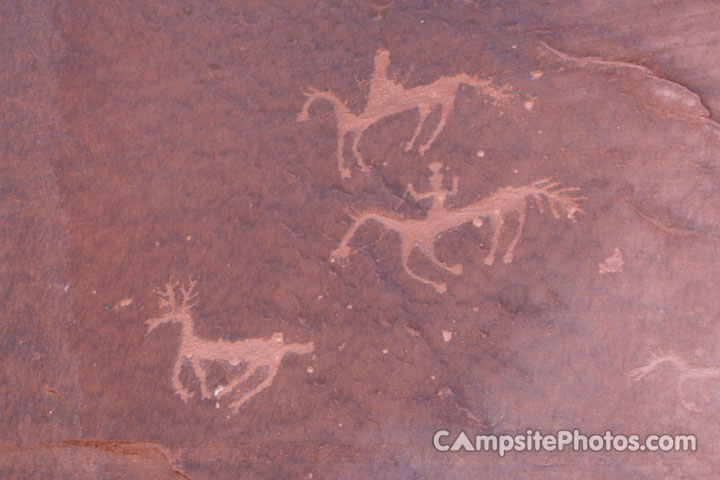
(176,301)
(664,97)
(613,264)
(422,233)
(685,371)
(388,97)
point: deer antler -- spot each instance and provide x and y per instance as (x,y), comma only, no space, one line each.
(168,302)
(189,296)
(168,297)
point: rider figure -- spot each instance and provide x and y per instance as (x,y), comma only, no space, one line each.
(380,85)
(437,193)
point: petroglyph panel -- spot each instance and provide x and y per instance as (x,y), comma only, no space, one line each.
(151,141)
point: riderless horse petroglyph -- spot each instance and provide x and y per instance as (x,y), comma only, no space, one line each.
(685,371)
(423,233)
(255,353)
(387,98)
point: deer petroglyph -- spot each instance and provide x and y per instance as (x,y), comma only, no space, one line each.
(422,233)
(254,353)
(387,97)
(685,371)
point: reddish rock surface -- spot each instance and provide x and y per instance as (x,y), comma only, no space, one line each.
(144,141)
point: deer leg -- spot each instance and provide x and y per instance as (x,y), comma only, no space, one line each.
(259,388)
(357,135)
(497,223)
(424,111)
(251,369)
(444,111)
(508,257)
(184,393)
(406,248)
(201,375)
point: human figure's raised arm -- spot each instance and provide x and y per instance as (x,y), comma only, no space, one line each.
(418,196)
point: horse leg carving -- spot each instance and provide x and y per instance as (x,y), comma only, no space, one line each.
(497,224)
(344,172)
(424,111)
(444,111)
(357,135)
(508,257)
(343,250)
(406,248)
(429,248)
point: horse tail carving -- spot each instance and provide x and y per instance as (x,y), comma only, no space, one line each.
(314,94)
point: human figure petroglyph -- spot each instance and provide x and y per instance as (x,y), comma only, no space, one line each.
(422,233)
(387,97)
(685,371)
(254,353)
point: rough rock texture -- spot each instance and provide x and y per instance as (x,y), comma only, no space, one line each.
(144,141)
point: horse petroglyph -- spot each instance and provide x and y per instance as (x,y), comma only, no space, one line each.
(685,371)
(254,353)
(387,97)
(423,233)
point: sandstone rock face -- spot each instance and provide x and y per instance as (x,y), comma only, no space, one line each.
(294,239)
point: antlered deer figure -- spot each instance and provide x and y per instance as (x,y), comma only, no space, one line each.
(255,353)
